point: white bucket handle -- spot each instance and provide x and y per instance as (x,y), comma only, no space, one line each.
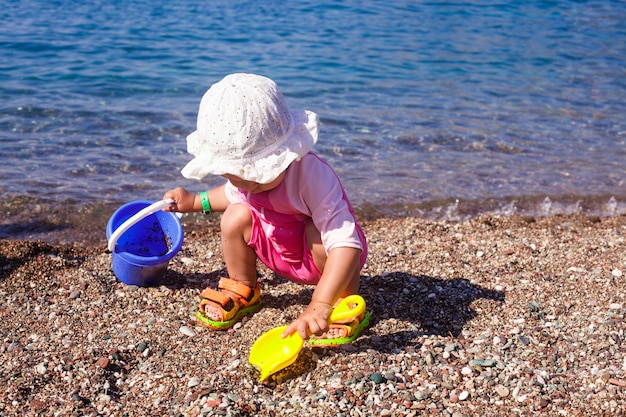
(151,209)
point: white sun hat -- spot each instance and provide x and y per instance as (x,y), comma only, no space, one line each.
(246,129)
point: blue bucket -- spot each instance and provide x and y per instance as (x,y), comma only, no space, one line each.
(142,253)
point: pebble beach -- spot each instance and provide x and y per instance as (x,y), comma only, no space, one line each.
(494,316)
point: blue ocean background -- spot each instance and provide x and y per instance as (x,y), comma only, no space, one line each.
(443,110)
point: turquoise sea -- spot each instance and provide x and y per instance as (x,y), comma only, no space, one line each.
(437,109)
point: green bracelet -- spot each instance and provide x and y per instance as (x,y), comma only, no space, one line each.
(206,205)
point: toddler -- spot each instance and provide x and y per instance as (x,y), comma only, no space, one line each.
(281,204)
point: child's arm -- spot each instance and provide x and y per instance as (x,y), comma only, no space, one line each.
(339,279)
(186,202)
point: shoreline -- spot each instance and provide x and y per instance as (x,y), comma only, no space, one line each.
(492,316)
(84,224)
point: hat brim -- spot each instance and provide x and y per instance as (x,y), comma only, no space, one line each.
(262,170)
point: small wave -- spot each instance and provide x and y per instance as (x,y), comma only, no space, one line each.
(456,210)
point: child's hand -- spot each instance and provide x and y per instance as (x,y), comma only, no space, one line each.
(314,321)
(184,201)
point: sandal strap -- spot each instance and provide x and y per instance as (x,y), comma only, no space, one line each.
(217,297)
(243,293)
(347,321)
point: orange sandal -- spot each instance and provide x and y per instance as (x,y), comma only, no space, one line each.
(232,301)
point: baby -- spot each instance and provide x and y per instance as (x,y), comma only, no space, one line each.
(281,204)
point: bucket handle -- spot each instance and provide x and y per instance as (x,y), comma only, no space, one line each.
(151,209)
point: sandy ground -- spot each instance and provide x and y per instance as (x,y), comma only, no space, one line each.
(493,316)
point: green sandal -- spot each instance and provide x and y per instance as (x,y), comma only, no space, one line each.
(349,332)
(233,300)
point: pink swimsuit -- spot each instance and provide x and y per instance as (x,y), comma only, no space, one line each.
(310,191)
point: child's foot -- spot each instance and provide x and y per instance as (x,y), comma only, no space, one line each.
(334,332)
(342,333)
(220,310)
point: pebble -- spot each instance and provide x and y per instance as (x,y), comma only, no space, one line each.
(615,306)
(499,340)
(75,294)
(213,402)
(193,382)
(616,273)
(142,346)
(617,382)
(187,331)
(485,363)
(377,378)
(420,395)
(542,403)
(102,363)
(467,370)
(463,396)
(502,391)
(41,368)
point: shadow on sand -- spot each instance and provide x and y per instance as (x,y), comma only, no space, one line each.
(427,305)
(431,306)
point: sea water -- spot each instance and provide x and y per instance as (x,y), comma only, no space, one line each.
(436,109)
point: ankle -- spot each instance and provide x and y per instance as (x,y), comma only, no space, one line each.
(245,280)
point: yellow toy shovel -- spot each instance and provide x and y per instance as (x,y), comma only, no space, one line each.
(271,353)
